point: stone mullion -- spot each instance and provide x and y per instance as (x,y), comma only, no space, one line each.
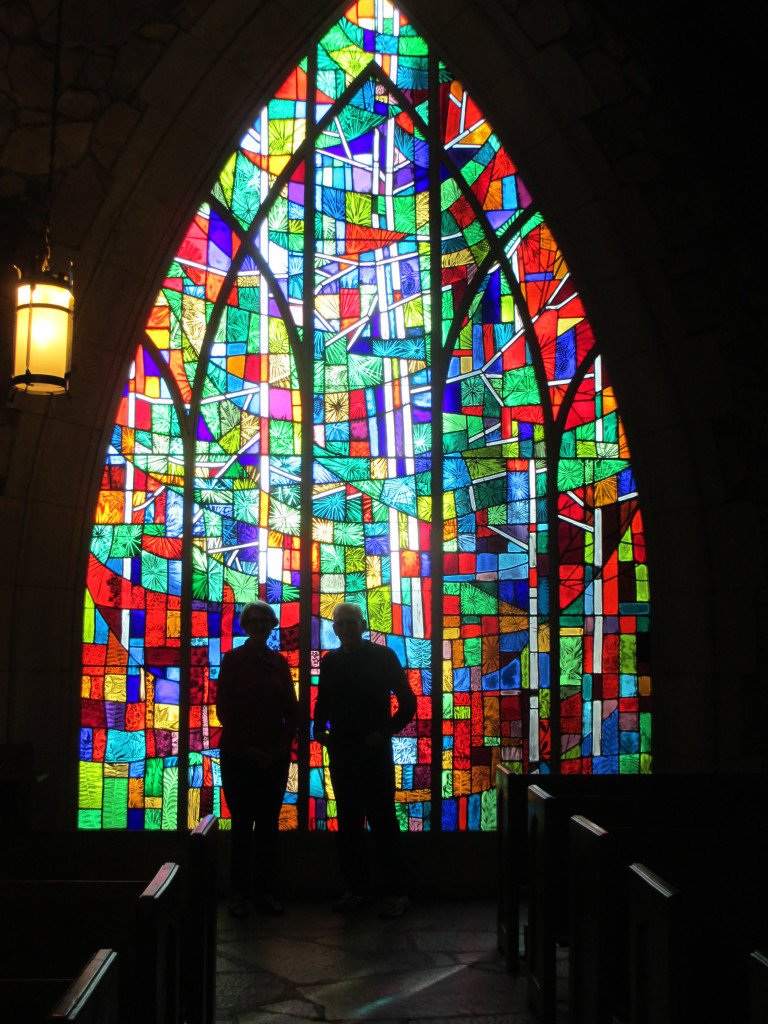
(436,470)
(185,628)
(305,367)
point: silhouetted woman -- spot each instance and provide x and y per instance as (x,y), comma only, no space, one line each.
(259,713)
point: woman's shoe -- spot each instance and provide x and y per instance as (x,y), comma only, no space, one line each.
(394,906)
(348,903)
(268,905)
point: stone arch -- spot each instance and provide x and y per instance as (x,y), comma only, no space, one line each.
(547,101)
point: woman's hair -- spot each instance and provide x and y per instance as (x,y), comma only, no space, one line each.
(261,606)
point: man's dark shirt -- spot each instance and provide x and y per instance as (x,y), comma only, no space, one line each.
(354,694)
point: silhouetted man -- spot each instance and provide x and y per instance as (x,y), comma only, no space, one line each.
(354,721)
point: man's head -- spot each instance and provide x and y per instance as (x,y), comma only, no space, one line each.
(349,625)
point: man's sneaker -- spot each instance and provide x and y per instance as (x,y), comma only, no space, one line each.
(394,906)
(267,904)
(348,902)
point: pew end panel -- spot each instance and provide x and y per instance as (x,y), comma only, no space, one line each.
(160,911)
(758,986)
(596,967)
(199,936)
(53,926)
(544,912)
(513,868)
(659,978)
(112,854)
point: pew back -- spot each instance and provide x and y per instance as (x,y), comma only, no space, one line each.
(93,997)
(716,868)
(598,932)
(592,966)
(658,926)
(50,928)
(115,855)
(511,870)
(29,1000)
(632,803)
(548,874)
(581,791)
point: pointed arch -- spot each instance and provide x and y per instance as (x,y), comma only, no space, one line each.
(368,318)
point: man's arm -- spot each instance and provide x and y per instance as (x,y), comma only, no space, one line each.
(393,675)
(406,700)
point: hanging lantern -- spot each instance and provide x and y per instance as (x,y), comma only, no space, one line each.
(45,301)
(44,311)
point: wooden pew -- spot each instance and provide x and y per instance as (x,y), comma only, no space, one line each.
(50,926)
(707,885)
(545,891)
(660,983)
(512,829)
(594,968)
(598,931)
(111,854)
(90,998)
(512,872)
(719,916)
(93,997)
(548,874)
(673,803)
(695,795)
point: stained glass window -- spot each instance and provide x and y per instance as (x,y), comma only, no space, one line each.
(368,376)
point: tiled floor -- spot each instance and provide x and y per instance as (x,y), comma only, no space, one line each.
(437,963)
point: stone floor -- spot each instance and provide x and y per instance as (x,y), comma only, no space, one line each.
(437,963)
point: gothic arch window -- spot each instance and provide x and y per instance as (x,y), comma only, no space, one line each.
(368,376)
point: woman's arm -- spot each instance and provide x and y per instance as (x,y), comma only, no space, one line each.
(224,690)
(292,714)
(322,709)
